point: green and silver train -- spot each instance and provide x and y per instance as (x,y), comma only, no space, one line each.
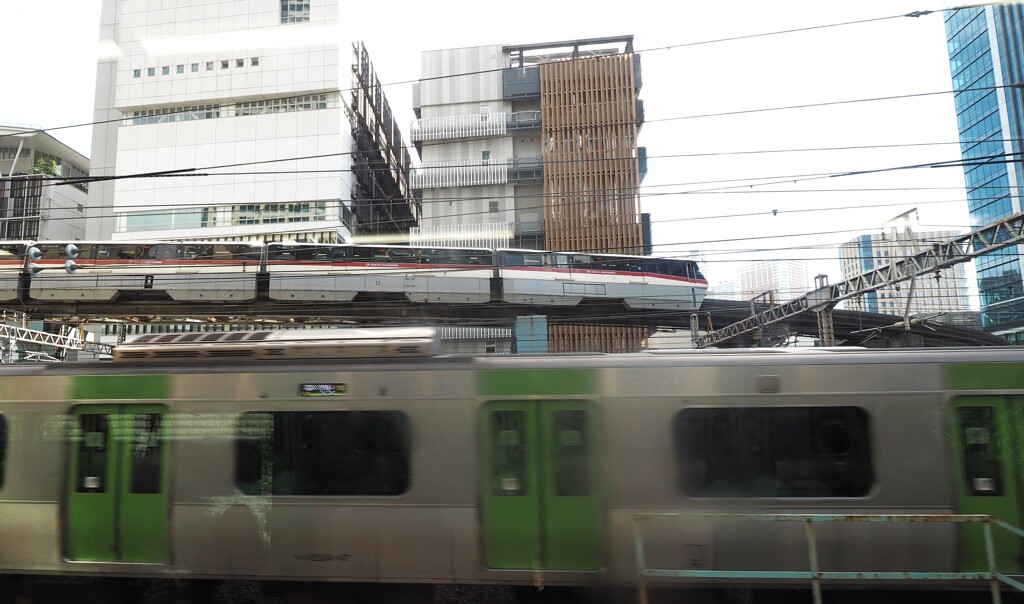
(359,457)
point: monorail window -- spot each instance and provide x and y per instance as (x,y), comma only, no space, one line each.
(339,453)
(982,465)
(774,452)
(3,448)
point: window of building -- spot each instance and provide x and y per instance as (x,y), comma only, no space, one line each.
(340,453)
(276,213)
(287,104)
(136,73)
(165,70)
(209,66)
(294,11)
(492,207)
(151,71)
(485,156)
(773,452)
(174,114)
(195,67)
(159,220)
(239,62)
(224,64)
(255,61)
(180,69)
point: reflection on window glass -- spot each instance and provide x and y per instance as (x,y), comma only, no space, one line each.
(774,452)
(980,451)
(569,456)
(146,450)
(508,453)
(354,453)
(92,452)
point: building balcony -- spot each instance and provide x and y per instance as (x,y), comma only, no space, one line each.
(520,83)
(468,173)
(526,171)
(453,127)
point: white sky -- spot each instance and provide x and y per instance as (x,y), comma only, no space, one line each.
(50,70)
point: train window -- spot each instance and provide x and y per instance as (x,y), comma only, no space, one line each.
(146,450)
(508,452)
(510,259)
(92,452)
(982,465)
(774,452)
(570,455)
(339,453)
(163,251)
(3,447)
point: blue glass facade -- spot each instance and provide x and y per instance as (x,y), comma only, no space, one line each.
(985,59)
(867,262)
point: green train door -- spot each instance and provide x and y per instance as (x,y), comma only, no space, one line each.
(540,499)
(988,436)
(116,508)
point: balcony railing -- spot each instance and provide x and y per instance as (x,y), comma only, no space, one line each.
(469,173)
(451,127)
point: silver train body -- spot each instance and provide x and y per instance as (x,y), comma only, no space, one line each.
(626,423)
(232,272)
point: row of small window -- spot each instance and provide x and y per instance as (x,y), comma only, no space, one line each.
(720,452)
(194,67)
(197,218)
(162,115)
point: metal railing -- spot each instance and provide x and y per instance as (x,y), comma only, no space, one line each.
(814,574)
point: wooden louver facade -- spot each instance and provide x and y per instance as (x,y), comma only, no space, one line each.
(591,174)
(591,170)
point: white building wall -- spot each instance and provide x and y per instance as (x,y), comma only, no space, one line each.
(787,279)
(480,91)
(177,54)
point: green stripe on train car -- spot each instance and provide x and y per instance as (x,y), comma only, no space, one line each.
(120,387)
(986,376)
(529,382)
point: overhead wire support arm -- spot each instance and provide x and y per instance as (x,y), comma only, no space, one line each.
(51,339)
(998,235)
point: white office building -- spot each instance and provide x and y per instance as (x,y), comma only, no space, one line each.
(942,291)
(35,203)
(226,119)
(783,280)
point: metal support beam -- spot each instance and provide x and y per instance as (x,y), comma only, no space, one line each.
(20,334)
(998,235)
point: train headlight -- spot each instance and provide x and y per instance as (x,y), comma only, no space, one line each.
(71,266)
(72,251)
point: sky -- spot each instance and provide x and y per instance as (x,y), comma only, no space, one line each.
(705,186)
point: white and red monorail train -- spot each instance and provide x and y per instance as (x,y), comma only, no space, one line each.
(232,272)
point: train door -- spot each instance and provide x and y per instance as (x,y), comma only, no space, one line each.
(116,507)
(540,501)
(988,436)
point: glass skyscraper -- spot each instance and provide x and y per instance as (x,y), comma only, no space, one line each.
(986,58)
